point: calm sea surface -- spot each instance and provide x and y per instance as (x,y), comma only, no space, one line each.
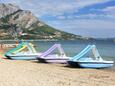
(71,48)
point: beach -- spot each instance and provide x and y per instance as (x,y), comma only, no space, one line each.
(33,73)
(77,33)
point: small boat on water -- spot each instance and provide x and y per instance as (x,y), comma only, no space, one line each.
(80,60)
(47,57)
(23,51)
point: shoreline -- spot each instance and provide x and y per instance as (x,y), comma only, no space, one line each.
(3,50)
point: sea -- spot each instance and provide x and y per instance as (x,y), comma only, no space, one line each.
(106,48)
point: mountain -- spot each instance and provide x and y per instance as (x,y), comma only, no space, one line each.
(16,23)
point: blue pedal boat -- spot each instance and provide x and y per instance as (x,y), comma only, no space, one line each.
(80,60)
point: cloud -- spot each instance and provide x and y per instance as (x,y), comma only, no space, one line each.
(110,9)
(86,27)
(108,13)
(57,7)
(105,16)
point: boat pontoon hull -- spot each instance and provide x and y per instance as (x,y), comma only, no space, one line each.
(53,59)
(21,56)
(104,64)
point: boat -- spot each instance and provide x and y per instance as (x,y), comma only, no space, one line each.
(23,51)
(80,60)
(48,57)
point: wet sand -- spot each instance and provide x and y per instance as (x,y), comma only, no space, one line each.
(33,73)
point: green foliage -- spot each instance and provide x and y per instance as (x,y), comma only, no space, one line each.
(5,26)
(4,19)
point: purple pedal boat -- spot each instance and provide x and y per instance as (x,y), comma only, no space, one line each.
(47,57)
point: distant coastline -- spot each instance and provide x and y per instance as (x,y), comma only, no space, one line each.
(98,39)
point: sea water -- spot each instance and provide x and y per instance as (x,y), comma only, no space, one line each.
(71,48)
(106,48)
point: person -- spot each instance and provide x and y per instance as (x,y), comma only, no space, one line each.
(1,45)
(17,42)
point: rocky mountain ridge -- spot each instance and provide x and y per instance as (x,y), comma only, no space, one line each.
(16,23)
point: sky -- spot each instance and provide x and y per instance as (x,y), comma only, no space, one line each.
(90,18)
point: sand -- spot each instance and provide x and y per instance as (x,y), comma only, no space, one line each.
(33,73)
